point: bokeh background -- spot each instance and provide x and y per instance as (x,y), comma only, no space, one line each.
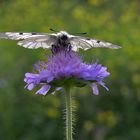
(113,115)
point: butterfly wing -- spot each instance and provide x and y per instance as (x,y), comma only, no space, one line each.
(31,40)
(85,43)
(38,41)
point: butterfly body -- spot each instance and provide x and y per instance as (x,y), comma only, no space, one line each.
(55,40)
(62,39)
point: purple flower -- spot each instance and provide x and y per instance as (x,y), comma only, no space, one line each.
(66,68)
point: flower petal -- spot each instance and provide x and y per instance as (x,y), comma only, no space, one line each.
(103,85)
(58,88)
(95,89)
(43,90)
(32,78)
(30,86)
(46,75)
(53,93)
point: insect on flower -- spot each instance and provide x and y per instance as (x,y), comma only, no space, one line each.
(55,41)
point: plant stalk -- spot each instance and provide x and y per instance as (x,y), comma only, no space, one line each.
(68,114)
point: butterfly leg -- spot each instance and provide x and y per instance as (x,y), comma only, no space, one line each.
(55,49)
(69,47)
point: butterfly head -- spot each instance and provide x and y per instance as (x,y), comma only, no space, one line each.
(62,36)
(62,33)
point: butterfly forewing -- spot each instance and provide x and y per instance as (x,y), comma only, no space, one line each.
(17,35)
(102,44)
(31,40)
(86,43)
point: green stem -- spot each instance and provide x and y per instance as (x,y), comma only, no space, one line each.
(68,114)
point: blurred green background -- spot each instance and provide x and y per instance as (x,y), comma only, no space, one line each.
(113,115)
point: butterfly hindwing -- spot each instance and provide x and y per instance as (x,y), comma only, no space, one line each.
(36,42)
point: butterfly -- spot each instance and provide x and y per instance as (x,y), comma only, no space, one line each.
(36,40)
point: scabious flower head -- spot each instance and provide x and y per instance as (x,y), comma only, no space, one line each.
(65,68)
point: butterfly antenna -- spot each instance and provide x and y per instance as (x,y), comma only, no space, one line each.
(83,33)
(52,30)
(80,33)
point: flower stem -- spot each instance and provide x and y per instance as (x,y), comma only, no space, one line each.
(68,114)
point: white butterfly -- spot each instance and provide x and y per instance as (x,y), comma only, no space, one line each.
(62,38)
